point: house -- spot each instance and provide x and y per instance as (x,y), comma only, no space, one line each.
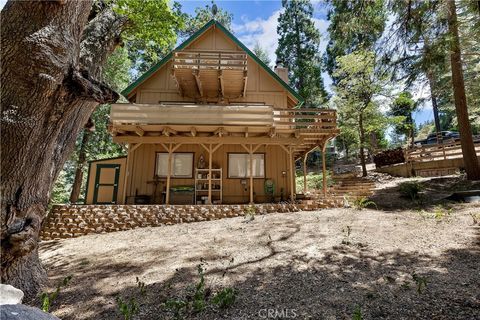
(208,124)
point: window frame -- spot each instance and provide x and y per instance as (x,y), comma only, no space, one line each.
(247,177)
(173,164)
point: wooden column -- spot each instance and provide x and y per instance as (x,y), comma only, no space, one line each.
(131,148)
(305,173)
(170,149)
(292,174)
(210,149)
(324,168)
(251,150)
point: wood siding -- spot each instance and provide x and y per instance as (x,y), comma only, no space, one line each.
(92,172)
(143,170)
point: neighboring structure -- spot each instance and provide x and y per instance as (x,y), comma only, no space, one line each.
(210,124)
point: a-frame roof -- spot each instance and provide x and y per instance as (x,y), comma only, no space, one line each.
(192,38)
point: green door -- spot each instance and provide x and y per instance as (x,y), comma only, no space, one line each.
(106,184)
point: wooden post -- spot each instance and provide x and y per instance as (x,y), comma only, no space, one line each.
(324,169)
(251,174)
(169,173)
(292,173)
(305,173)
(210,173)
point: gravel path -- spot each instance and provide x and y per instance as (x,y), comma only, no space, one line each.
(327,264)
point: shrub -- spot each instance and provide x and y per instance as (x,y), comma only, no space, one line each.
(225,298)
(411,189)
(48,298)
(362,202)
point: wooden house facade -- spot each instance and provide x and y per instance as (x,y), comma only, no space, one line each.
(209,124)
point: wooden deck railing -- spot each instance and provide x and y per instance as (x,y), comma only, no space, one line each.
(210,60)
(431,152)
(230,115)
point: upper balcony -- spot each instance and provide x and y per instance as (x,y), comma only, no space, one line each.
(207,74)
(306,126)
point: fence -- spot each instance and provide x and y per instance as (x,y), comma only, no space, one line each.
(442,151)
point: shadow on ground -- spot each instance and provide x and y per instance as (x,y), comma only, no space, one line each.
(331,286)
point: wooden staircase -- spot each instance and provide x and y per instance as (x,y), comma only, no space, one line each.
(346,187)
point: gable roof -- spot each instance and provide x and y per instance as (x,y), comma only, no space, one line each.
(207,26)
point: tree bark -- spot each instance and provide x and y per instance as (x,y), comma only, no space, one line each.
(362,142)
(82,160)
(47,97)
(470,160)
(438,128)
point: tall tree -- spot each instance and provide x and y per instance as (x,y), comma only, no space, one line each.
(262,54)
(470,160)
(355,94)
(205,14)
(403,107)
(298,49)
(51,71)
(354,25)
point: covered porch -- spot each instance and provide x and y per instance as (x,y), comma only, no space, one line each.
(217,132)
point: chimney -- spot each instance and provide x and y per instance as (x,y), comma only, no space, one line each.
(281,71)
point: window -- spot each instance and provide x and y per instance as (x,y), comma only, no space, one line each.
(239,165)
(182,165)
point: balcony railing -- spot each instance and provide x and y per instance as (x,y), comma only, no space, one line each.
(213,60)
(216,115)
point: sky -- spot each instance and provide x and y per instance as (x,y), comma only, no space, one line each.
(257,20)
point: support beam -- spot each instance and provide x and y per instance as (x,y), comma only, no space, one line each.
(245,78)
(272,133)
(196,74)
(210,150)
(222,85)
(170,148)
(324,168)
(193,131)
(179,87)
(251,149)
(139,131)
(292,173)
(305,157)
(214,140)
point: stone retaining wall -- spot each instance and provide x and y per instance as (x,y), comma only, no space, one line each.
(69,221)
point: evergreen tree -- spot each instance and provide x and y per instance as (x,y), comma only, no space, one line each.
(403,107)
(354,25)
(262,54)
(204,15)
(298,48)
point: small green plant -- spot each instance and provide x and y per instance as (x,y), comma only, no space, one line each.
(249,213)
(127,308)
(48,298)
(357,313)
(361,203)
(421,282)
(141,286)
(225,298)
(411,189)
(177,306)
(347,231)
(440,212)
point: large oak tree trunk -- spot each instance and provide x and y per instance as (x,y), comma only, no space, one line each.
(49,89)
(470,159)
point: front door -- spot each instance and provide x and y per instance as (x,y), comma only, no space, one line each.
(106,184)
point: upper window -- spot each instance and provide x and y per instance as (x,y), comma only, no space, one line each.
(239,165)
(182,165)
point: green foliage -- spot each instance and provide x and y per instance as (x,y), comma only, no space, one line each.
(204,15)
(127,308)
(261,53)
(314,181)
(421,283)
(361,203)
(225,297)
(116,72)
(49,297)
(357,314)
(298,48)
(402,108)
(411,189)
(354,25)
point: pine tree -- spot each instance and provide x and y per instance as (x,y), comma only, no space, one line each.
(298,48)
(262,54)
(354,25)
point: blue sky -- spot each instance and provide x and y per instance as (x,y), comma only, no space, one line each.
(257,21)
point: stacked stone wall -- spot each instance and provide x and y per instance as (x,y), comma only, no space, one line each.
(69,221)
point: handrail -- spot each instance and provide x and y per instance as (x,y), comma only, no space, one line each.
(210,60)
(447,150)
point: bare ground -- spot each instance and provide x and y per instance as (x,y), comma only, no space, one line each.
(302,265)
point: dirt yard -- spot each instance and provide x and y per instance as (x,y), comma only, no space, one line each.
(402,260)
